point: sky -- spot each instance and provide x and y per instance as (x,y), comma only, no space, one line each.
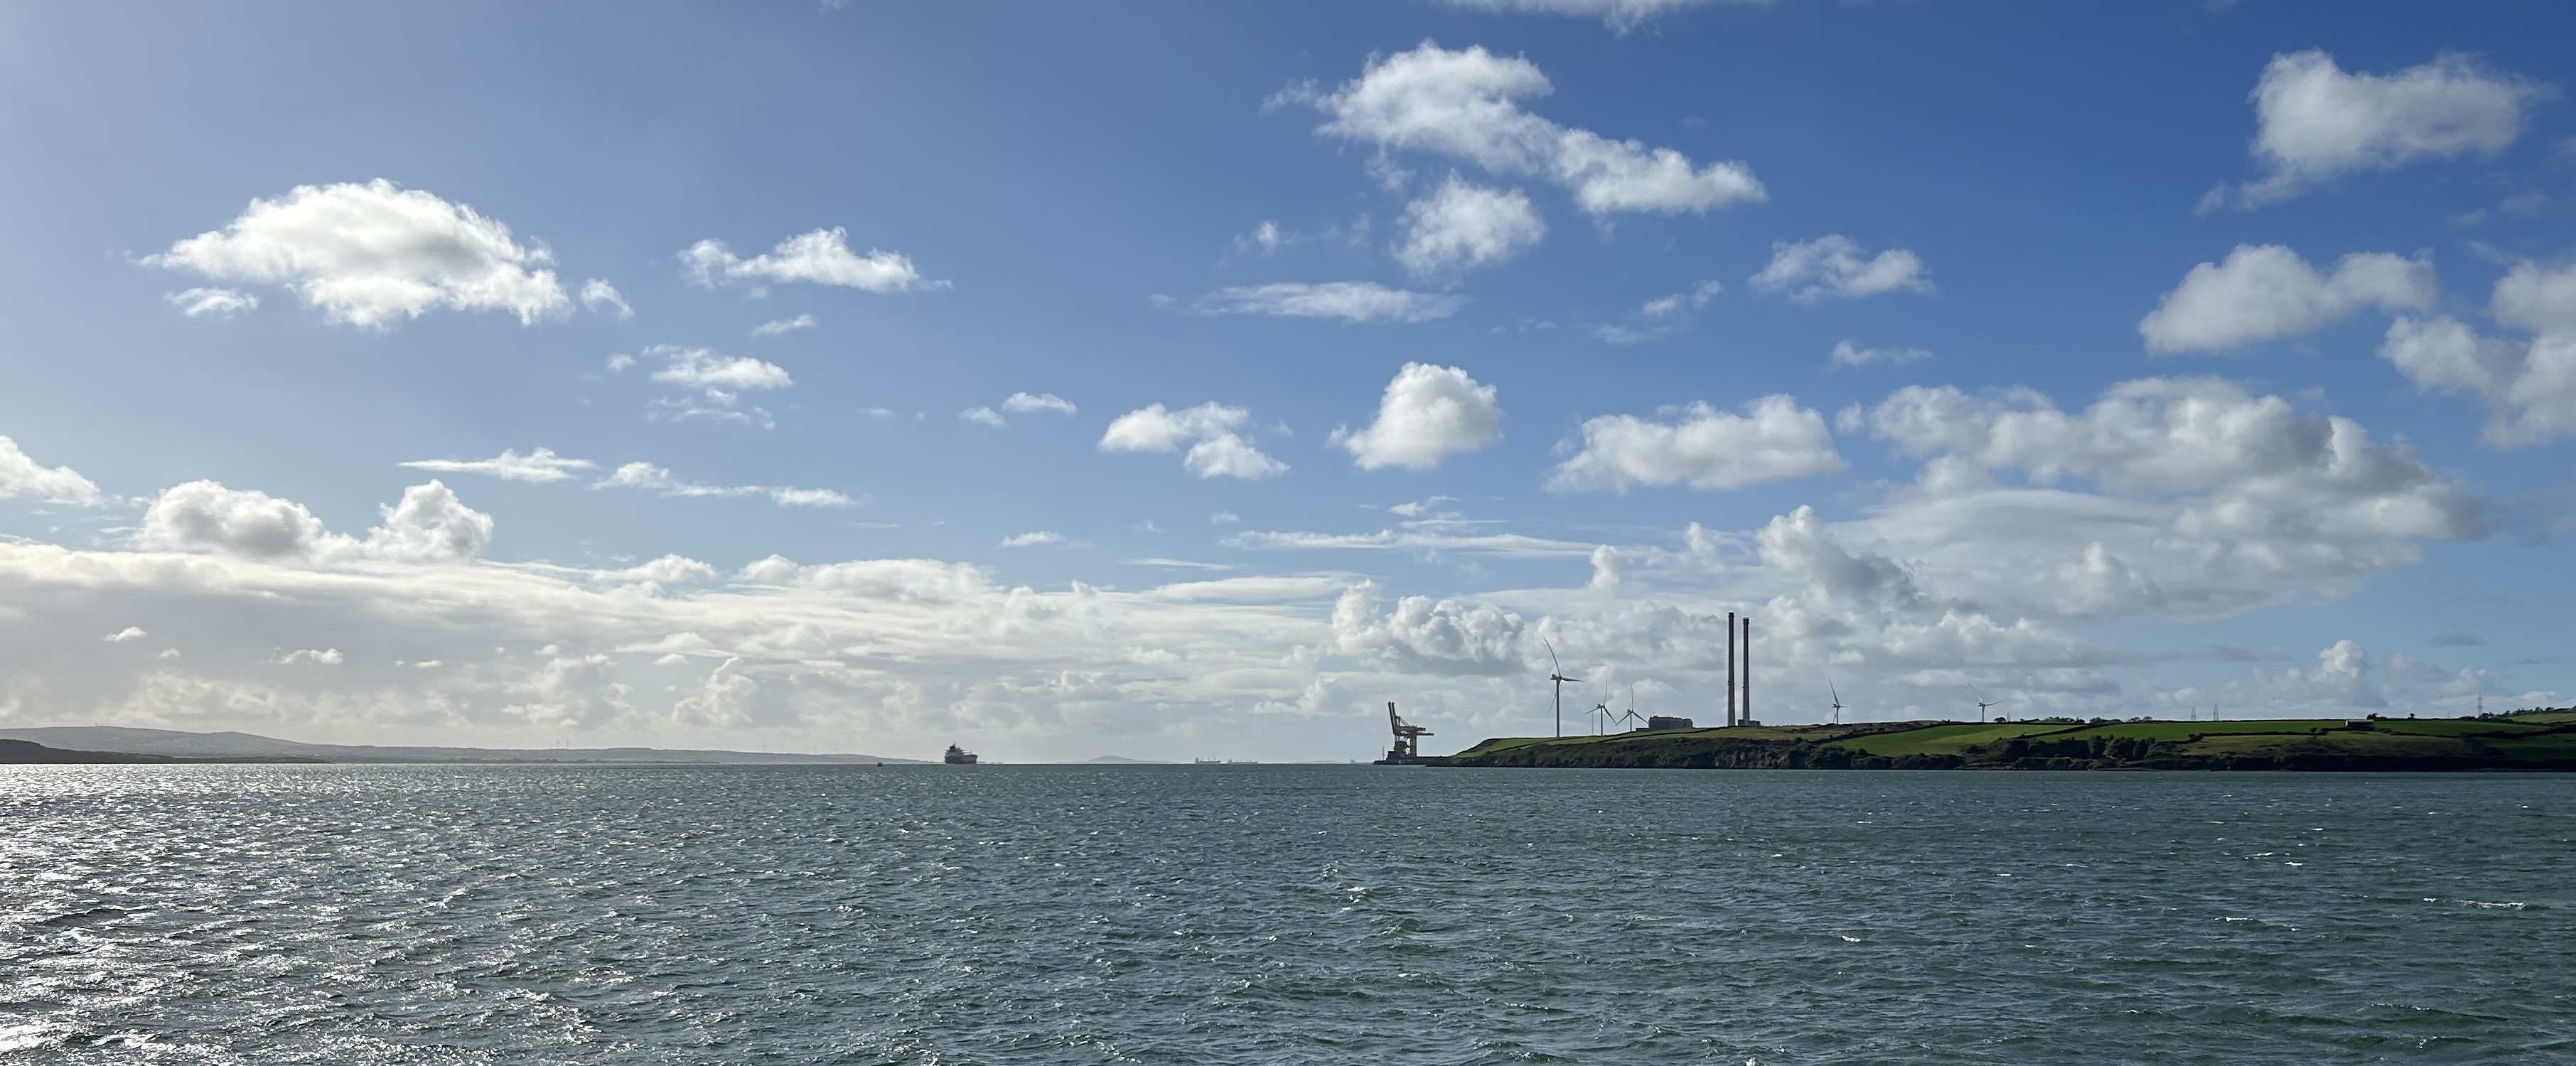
(1190,380)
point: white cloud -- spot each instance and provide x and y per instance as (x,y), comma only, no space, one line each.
(985,416)
(2343,679)
(1847,353)
(1428,413)
(1421,636)
(822,257)
(2265,292)
(428,525)
(126,634)
(216,303)
(2314,121)
(1036,539)
(1461,227)
(1835,265)
(1267,237)
(373,254)
(2210,501)
(775,327)
(206,516)
(310,656)
(2528,385)
(620,363)
(1668,306)
(599,295)
(23,476)
(540,466)
(1349,301)
(699,368)
(1217,449)
(1621,15)
(642,475)
(1773,440)
(1466,104)
(1021,403)
(1224,518)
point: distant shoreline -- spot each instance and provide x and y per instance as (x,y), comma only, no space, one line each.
(2541,739)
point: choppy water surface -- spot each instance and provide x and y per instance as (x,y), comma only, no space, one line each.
(1247,914)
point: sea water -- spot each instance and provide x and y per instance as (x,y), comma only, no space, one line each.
(1279,914)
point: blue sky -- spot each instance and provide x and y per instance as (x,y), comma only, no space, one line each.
(2192,353)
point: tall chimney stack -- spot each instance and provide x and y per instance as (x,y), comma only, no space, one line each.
(1730,669)
(1744,703)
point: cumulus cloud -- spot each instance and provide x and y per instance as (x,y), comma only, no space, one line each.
(1847,353)
(2210,501)
(428,525)
(1217,448)
(600,296)
(1035,539)
(2528,384)
(310,656)
(984,416)
(126,634)
(2314,121)
(1774,439)
(1461,226)
(1467,105)
(212,303)
(2265,292)
(1428,413)
(1423,636)
(822,257)
(777,326)
(375,254)
(1835,265)
(657,479)
(540,466)
(1349,301)
(21,476)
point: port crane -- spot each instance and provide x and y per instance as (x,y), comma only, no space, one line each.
(1408,738)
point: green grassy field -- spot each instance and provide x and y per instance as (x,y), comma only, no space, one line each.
(2539,740)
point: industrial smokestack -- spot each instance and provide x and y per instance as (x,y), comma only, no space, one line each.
(1730,669)
(1744,702)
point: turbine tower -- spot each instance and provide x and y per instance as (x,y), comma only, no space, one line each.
(1557,674)
(1838,700)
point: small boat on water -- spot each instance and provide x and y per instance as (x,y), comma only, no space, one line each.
(958,756)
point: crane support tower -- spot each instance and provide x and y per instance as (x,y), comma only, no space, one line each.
(1408,741)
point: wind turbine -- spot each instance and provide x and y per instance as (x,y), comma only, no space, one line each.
(1838,700)
(1557,674)
(1982,704)
(1601,712)
(1635,722)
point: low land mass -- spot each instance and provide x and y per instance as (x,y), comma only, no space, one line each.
(182,746)
(2541,739)
(24,752)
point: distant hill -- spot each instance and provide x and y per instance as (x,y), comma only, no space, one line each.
(172,742)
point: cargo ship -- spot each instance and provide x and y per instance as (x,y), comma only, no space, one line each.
(958,756)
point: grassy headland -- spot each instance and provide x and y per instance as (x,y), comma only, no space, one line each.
(2543,739)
